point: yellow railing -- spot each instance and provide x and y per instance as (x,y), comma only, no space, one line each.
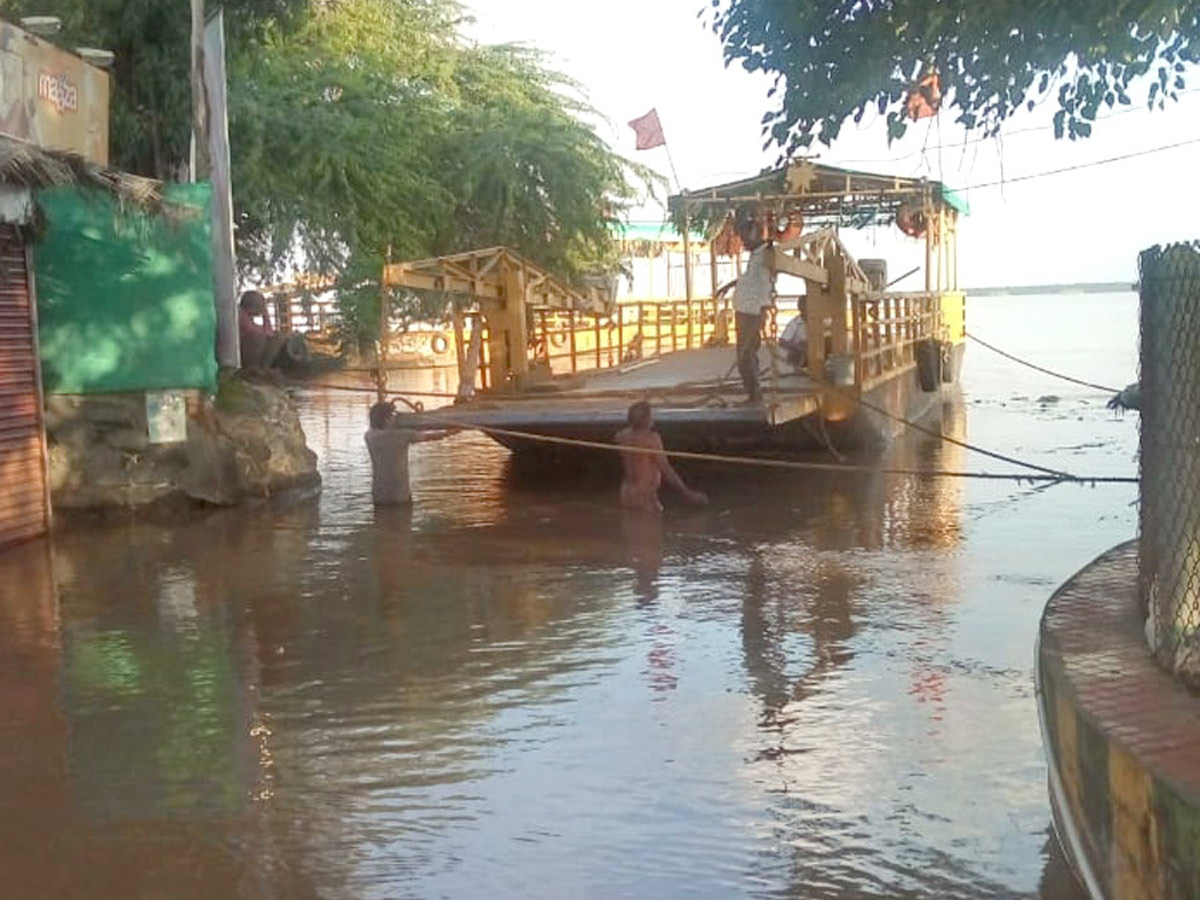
(881,333)
(572,342)
(886,331)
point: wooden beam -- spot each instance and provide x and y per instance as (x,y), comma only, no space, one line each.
(790,265)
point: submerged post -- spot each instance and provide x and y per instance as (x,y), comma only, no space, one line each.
(1169,562)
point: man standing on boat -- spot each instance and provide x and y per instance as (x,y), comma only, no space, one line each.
(644,464)
(753,293)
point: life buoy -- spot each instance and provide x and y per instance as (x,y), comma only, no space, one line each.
(439,344)
(911,220)
(558,338)
(793,229)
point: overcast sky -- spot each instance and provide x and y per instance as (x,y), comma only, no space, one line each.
(631,55)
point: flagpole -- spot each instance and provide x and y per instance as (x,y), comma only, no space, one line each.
(675,174)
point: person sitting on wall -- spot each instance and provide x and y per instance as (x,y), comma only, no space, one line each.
(644,463)
(387,443)
(260,342)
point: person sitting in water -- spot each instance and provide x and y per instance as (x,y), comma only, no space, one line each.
(387,443)
(644,471)
(260,342)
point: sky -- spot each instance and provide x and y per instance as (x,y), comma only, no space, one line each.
(1087,225)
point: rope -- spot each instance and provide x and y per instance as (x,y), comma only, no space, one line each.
(1011,460)
(1045,475)
(1042,369)
(908,423)
(763,462)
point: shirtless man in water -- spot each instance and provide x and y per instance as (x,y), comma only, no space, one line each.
(644,472)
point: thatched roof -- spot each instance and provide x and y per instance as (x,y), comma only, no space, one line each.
(26,165)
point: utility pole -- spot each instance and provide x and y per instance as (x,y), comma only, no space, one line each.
(210,162)
(201,162)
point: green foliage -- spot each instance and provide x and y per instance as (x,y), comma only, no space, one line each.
(836,59)
(373,129)
(363,129)
(151,102)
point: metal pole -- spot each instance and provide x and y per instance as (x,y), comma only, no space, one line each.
(687,256)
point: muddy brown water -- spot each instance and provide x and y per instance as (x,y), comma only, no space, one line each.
(818,687)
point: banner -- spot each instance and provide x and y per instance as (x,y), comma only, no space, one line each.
(52,98)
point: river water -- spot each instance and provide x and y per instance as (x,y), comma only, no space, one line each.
(817,687)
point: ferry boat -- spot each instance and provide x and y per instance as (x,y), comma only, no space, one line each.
(537,357)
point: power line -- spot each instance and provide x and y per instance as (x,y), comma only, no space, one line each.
(969,142)
(1088,165)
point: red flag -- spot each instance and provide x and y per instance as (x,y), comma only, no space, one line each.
(649,131)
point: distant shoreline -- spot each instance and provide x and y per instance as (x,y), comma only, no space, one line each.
(1082,287)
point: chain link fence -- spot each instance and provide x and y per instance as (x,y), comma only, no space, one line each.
(1169,566)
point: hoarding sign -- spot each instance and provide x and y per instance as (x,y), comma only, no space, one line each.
(52,98)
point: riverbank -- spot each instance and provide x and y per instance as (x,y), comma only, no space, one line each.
(241,445)
(1122,739)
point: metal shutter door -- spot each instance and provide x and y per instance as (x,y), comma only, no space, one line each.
(24,504)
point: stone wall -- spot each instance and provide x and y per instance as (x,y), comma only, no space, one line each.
(1121,740)
(245,443)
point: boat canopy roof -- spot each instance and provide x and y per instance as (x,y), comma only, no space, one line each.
(820,194)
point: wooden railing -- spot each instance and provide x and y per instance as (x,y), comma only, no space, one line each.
(886,331)
(574,342)
(300,314)
(881,332)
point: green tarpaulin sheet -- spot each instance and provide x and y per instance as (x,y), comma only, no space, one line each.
(125,299)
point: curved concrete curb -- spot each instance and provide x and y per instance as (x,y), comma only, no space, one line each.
(1122,740)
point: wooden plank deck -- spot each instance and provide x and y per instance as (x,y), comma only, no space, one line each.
(698,386)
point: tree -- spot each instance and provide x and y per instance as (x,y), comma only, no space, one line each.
(363,128)
(835,59)
(373,129)
(151,93)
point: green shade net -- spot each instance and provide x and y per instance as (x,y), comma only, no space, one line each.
(124,298)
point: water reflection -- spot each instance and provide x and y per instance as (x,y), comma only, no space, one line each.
(512,684)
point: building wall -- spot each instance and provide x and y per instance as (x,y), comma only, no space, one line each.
(125,300)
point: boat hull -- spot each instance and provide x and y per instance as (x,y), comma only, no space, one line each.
(856,428)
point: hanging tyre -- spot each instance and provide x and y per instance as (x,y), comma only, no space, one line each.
(929,364)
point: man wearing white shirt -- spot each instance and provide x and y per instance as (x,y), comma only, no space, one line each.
(751,296)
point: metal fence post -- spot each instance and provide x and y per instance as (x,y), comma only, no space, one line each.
(1169,562)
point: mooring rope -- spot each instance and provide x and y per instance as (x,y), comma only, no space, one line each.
(764,462)
(1044,474)
(974,448)
(1042,369)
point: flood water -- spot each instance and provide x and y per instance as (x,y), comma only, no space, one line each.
(817,687)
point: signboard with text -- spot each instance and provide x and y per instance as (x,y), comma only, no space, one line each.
(52,98)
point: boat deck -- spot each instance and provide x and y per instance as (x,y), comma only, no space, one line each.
(699,386)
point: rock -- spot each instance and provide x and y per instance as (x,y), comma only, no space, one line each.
(62,410)
(248,444)
(211,474)
(132,439)
(245,443)
(115,409)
